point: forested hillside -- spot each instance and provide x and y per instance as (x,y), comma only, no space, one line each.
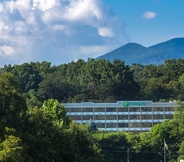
(34,126)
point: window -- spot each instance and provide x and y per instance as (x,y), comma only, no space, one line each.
(169,108)
(87,117)
(158,117)
(168,116)
(100,125)
(134,117)
(75,109)
(111,109)
(99,117)
(111,117)
(146,117)
(146,109)
(111,125)
(99,109)
(144,125)
(76,117)
(134,109)
(134,125)
(122,117)
(122,109)
(122,125)
(158,109)
(87,109)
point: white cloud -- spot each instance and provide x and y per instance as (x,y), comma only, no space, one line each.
(3,26)
(56,30)
(149,15)
(83,10)
(7,50)
(44,5)
(58,27)
(105,32)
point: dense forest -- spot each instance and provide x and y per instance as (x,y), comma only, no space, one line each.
(99,81)
(34,125)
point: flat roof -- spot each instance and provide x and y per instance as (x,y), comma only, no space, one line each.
(122,104)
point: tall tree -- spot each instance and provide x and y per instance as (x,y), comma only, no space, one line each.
(124,86)
(28,76)
(57,88)
(12,104)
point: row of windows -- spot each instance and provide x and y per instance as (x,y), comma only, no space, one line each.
(120,117)
(120,109)
(126,125)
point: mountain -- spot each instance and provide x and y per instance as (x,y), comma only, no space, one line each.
(156,54)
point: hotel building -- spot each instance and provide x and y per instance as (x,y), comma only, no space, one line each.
(130,116)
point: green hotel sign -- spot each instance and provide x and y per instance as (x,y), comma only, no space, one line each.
(126,104)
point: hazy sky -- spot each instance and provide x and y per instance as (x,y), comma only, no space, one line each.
(60,31)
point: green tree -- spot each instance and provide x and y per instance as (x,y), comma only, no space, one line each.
(28,76)
(56,111)
(124,86)
(179,87)
(181,152)
(114,146)
(86,147)
(92,127)
(153,89)
(177,124)
(73,71)
(150,71)
(140,147)
(165,131)
(57,88)
(7,68)
(173,69)
(32,99)
(12,104)
(11,150)
(137,69)
(50,140)
(46,139)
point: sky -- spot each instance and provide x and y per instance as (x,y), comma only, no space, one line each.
(61,31)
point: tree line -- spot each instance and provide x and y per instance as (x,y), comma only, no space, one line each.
(99,81)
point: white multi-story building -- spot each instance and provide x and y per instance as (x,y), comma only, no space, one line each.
(137,116)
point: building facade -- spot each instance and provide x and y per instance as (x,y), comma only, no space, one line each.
(131,116)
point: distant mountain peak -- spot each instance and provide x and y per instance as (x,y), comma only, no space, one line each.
(156,54)
(133,44)
(174,41)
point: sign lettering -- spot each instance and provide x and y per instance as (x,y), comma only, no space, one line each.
(126,104)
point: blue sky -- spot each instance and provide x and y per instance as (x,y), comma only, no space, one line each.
(166,19)
(60,31)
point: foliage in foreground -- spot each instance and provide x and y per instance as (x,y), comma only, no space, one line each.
(40,134)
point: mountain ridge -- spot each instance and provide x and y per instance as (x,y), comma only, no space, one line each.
(156,54)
